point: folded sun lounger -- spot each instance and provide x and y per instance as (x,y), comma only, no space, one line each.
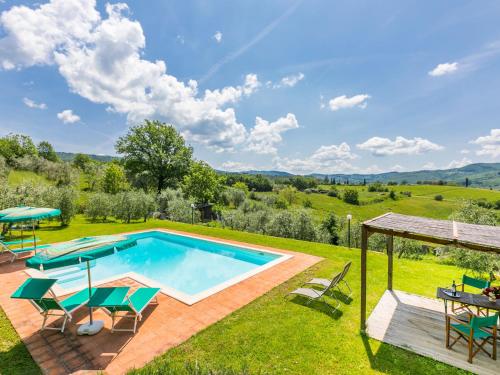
(35,290)
(132,307)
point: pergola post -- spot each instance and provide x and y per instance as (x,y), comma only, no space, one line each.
(390,248)
(364,250)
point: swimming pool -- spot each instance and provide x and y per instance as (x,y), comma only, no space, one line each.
(185,267)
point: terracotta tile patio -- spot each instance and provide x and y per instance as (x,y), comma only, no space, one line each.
(163,326)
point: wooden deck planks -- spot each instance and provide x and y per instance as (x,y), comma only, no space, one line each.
(417,324)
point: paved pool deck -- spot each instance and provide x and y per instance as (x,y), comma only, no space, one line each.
(163,326)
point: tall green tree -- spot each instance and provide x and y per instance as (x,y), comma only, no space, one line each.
(158,150)
(14,146)
(46,151)
(202,183)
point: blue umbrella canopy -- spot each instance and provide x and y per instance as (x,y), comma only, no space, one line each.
(13,210)
(78,251)
(28,214)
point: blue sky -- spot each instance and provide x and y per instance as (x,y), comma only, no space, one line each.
(301,86)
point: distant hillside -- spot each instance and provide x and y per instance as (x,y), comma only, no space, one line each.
(69,156)
(484,175)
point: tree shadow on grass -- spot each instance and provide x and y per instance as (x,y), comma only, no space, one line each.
(321,306)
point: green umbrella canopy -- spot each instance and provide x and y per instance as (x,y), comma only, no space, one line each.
(13,210)
(78,251)
(29,213)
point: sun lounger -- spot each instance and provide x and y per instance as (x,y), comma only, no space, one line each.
(16,252)
(317,294)
(132,307)
(326,282)
(35,290)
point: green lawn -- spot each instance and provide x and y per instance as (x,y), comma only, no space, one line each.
(272,334)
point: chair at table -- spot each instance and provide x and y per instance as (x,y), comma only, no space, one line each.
(478,332)
(463,310)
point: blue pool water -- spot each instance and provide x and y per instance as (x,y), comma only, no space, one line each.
(189,265)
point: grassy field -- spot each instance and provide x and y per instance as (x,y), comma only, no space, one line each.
(421,202)
(272,334)
(16,178)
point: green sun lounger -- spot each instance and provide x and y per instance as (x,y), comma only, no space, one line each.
(132,307)
(5,248)
(18,242)
(35,290)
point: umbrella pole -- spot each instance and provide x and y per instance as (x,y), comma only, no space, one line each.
(33,229)
(22,239)
(90,290)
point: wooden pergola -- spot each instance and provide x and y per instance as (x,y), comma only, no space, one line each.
(444,232)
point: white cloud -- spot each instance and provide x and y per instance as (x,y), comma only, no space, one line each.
(265,135)
(459,163)
(465,151)
(399,146)
(32,104)
(180,39)
(290,80)
(490,144)
(344,101)
(218,36)
(236,166)
(443,69)
(68,117)
(326,159)
(100,58)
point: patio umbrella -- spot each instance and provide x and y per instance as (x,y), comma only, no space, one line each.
(78,251)
(20,214)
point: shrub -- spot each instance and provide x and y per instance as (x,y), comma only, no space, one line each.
(307,203)
(392,195)
(281,203)
(333,192)
(179,209)
(377,187)
(99,206)
(351,196)
(281,225)
(240,185)
(133,205)
(165,197)
(114,179)
(438,197)
(233,196)
(303,227)
(289,194)
(65,199)
(329,225)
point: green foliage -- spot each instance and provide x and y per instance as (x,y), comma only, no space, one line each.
(477,262)
(301,183)
(438,197)
(281,203)
(81,160)
(98,206)
(351,196)
(233,196)
(202,183)
(156,150)
(4,169)
(94,173)
(46,151)
(114,179)
(333,192)
(307,203)
(14,146)
(240,185)
(410,249)
(65,199)
(393,195)
(289,194)
(133,205)
(329,225)
(377,187)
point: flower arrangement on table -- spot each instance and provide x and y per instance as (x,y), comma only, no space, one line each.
(492,292)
